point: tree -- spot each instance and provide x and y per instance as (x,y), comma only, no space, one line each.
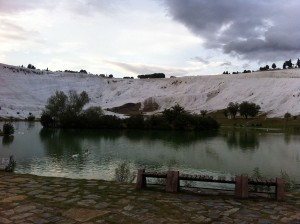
(232,109)
(172,113)
(298,63)
(287,115)
(225,112)
(273,65)
(57,105)
(62,110)
(83,71)
(154,75)
(30,66)
(203,113)
(288,64)
(249,109)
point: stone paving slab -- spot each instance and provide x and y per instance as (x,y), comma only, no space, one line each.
(39,200)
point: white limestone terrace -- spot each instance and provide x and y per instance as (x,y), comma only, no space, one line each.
(277,92)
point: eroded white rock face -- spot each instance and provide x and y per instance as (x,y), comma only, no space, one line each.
(277,92)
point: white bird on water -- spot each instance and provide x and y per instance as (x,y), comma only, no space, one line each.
(86,152)
(75,156)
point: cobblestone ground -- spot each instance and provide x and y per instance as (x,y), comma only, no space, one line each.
(32,199)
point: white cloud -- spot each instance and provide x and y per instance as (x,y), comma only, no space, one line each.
(134,36)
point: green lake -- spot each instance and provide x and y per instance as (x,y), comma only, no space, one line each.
(95,154)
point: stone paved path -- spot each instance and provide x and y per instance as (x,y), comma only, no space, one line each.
(31,199)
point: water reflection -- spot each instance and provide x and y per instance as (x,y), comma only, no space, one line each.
(30,125)
(229,152)
(241,139)
(175,139)
(7,140)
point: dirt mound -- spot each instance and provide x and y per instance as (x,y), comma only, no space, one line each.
(127,108)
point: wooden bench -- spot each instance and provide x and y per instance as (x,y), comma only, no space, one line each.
(7,164)
(241,182)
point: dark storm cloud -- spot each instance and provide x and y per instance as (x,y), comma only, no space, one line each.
(260,30)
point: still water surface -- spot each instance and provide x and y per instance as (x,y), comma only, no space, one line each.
(228,152)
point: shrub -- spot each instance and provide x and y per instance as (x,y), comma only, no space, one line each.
(156,122)
(91,116)
(47,120)
(109,121)
(31,117)
(135,122)
(8,129)
(123,173)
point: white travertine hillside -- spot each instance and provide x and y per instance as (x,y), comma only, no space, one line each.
(277,92)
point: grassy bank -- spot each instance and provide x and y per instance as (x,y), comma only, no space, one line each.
(262,121)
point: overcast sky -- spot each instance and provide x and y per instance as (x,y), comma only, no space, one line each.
(131,37)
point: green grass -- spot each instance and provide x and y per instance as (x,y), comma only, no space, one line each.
(261,121)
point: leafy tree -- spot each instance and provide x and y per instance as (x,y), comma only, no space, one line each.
(154,75)
(288,64)
(273,65)
(298,63)
(225,112)
(173,113)
(203,113)
(62,109)
(91,116)
(83,71)
(249,109)
(76,102)
(31,117)
(57,105)
(8,129)
(287,115)
(30,66)
(232,109)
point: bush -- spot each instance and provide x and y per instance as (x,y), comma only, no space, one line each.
(135,122)
(31,117)
(123,173)
(156,122)
(91,116)
(8,129)
(47,120)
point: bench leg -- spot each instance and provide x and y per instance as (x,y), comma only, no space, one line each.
(279,189)
(172,183)
(241,186)
(141,180)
